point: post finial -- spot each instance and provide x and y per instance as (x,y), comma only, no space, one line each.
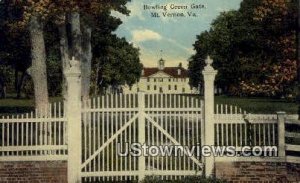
(74,66)
(74,62)
(208,61)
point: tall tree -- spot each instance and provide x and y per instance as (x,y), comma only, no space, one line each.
(81,18)
(279,39)
(78,42)
(33,21)
(254,48)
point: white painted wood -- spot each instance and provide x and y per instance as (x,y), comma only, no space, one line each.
(154,123)
(73,78)
(33,148)
(31,120)
(292,121)
(290,147)
(292,134)
(281,134)
(110,140)
(136,173)
(293,159)
(34,158)
(209,74)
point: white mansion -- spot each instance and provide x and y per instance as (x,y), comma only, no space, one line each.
(161,79)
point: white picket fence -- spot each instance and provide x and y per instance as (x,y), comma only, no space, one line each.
(151,119)
(38,135)
(234,127)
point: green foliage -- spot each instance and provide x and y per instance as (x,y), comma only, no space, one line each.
(14,47)
(115,61)
(196,63)
(6,72)
(54,74)
(54,64)
(247,51)
(259,105)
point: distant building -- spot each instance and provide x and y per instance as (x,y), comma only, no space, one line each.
(161,79)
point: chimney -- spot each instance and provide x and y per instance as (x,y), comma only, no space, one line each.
(179,71)
(143,72)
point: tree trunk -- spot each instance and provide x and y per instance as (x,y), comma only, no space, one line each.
(298,59)
(82,50)
(76,36)
(298,44)
(64,51)
(86,61)
(38,68)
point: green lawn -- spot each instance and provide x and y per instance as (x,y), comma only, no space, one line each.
(251,105)
(15,106)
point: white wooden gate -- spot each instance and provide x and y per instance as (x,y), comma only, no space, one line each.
(111,121)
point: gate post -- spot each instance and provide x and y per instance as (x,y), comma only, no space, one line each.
(73,114)
(141,133)
(209,74)
(281,134)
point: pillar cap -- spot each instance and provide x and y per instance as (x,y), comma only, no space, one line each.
(208,67)
(74,68)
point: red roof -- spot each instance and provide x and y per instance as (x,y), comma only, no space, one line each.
(172,71)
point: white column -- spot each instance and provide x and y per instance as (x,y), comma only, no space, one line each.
(281,134)
(209,74)
(73,114)
(141,133)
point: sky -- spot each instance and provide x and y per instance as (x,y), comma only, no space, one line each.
(175,36)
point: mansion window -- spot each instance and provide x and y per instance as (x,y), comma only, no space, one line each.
(154,80)
(183,90)
(148,87)
(148,79)
(170,80)
(162,80)
(175,87)
(154,87)
(170,87)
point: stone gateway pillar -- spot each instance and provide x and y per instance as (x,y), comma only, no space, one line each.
(209,74)
(73,115)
